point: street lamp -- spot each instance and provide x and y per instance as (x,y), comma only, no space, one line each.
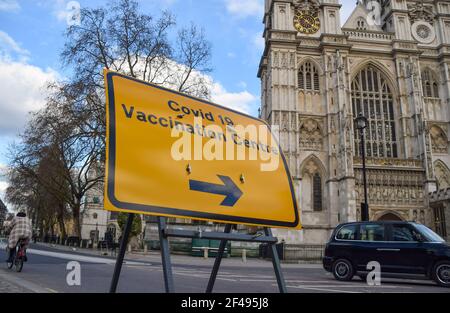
(96,233)
(361,124)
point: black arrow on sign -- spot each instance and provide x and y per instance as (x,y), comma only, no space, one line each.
(228,189)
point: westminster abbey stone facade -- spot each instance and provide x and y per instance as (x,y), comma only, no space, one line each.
(393,66)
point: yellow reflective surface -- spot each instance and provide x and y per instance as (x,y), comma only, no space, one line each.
(143,177)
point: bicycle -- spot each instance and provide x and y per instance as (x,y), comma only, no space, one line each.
(20,256)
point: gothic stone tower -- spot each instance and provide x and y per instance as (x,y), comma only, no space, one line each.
(391,66)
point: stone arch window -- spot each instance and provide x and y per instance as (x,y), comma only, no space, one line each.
(442,174)
(313,185)
(372,96)
(361,24)
(308,77)
(430,85)
(439,140)
(317,193)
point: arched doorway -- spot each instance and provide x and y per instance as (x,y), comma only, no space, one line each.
(390,217)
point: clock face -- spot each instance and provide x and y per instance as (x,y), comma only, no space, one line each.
(306,23)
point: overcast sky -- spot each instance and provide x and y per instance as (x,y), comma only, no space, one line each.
(31,38)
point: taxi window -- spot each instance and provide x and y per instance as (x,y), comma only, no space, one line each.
(372,232)
(347,233)
(402,233)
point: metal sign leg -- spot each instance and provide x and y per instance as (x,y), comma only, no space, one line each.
(223,244)
(276,264)
(120,257)
(165,256)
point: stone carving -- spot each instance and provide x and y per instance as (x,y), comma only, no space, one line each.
(388,162)
(310,168)
(275,59)
(439,140)
(293,122)
(284,60)
(283,36)
(387,187)
(292,60)
(285,122)
(312,6)
(423,31)
(311,137)
(442,174)
(420,12)
(276,118)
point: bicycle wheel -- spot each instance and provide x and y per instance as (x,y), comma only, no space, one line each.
(9,264)
(18,265)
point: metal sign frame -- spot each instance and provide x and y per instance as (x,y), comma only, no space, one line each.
(165,233)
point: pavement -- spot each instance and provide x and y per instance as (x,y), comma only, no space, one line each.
(47,272)
(8,287)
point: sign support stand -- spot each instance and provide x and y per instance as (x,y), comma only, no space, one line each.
(276,264)
(123,248)
(165,233)
(165,256)
(219,257)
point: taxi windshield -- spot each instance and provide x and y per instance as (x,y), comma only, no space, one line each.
(429,234)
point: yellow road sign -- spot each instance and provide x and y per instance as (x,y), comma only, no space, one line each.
(172,155)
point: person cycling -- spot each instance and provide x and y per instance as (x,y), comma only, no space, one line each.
(20,228)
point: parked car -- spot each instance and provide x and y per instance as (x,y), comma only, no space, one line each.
(403,249)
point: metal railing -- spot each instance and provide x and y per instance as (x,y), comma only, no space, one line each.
(310,253)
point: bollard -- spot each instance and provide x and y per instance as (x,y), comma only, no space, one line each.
(129,248)
(205,253)
(244,255)
(145,248)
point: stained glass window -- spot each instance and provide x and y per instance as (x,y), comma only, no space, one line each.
(317,192)
(372,96)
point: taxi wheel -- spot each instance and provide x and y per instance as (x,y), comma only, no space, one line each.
(343,270)
(363,277)
(442,273)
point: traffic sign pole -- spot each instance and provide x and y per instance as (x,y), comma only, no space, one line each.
(120,257)
(219,257)
(165,255)
(276,264)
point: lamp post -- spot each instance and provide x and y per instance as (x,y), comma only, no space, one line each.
(96,233)
(361,124)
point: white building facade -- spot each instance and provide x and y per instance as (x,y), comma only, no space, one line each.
(394,68)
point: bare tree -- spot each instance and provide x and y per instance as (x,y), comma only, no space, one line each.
(63,147)
(136,44)
(60,150)
(26,190)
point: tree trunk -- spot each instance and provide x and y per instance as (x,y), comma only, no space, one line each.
(62,226)
(76,219)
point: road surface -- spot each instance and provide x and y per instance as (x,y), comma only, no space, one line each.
(46,272)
